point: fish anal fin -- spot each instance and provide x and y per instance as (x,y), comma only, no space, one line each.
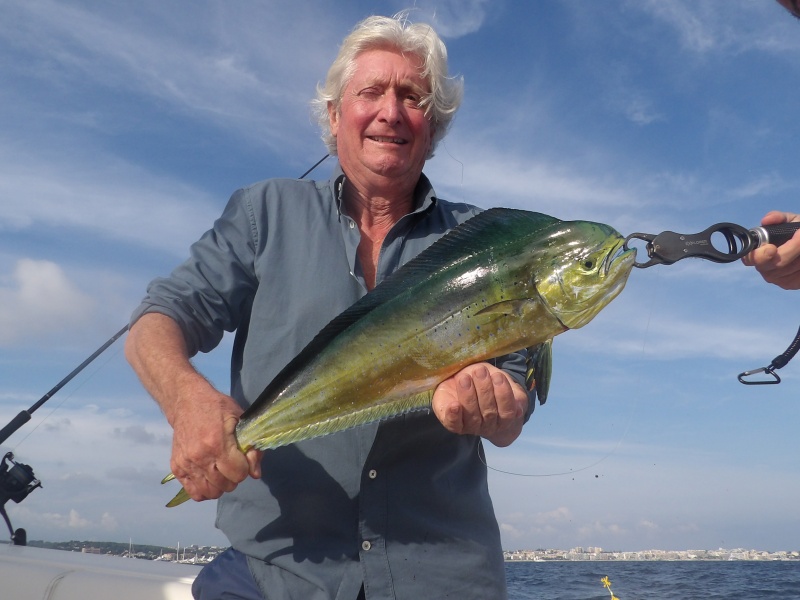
(378,412)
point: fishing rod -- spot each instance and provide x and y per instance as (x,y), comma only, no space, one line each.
(668,247)
(25,415)
(16,479)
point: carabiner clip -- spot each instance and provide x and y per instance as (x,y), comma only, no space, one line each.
(770,370)
(778,362)
(645,237)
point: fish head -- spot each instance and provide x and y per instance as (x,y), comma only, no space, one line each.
(584,267)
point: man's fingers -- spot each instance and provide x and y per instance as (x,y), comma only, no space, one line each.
(254,461)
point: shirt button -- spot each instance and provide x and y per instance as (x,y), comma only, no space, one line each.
(366,545)
(372,474)
(352,225)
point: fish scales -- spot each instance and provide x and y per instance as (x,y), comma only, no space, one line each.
(413,337)
(502,281)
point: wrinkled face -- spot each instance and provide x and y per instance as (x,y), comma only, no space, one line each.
(588,269)
(382,133)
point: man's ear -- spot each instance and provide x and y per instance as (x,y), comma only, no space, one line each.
(333,118)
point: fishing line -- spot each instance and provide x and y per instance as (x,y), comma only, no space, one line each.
(24,416)
(450,154)
(638,381)
(68,396)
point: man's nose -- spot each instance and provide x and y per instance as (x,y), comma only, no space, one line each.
(390,108)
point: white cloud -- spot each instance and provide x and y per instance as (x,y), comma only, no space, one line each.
(648,525)
(762,185)
(450,18)
(242,73)
(105,196)
(101,480)
(562,514)
(639,109)
(599,528)
(38,297)
(495,177)
(738,26)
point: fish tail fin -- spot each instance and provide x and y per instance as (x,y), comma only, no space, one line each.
(180,497)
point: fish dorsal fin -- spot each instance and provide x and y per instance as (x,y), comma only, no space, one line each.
(484,231)
(487,230)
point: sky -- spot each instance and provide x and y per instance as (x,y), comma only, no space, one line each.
(125,127)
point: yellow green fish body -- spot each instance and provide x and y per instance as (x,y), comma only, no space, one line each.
(502,281)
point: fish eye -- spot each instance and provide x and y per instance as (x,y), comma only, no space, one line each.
(588,264)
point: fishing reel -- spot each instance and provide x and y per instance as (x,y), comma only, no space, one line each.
(16,482)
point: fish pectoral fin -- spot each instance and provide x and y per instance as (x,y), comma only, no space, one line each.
(506,307)
(539,368)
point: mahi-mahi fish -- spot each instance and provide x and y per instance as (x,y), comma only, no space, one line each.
(502,281)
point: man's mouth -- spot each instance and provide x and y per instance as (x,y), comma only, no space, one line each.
(387,140)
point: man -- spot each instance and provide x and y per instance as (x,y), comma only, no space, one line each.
(392,510)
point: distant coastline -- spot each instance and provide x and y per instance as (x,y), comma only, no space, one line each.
(188,554)
(598,554)
(193,554)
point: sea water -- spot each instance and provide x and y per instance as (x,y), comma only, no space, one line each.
(654,580)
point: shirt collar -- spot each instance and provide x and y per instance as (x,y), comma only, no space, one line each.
(424,194)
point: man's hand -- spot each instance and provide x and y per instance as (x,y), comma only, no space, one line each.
(205,456)
(481,400)
(778,264)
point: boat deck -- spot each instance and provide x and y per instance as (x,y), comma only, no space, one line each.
(42,574)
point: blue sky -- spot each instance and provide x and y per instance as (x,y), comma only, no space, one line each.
(124,128)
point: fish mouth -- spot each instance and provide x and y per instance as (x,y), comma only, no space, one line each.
(618,258)
(617,266)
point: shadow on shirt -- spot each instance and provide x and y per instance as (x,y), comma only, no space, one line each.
(314,507)
(437,491)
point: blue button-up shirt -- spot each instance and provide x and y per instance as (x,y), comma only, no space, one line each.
(401,506)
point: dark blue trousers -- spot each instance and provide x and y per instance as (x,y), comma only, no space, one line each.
(228,577)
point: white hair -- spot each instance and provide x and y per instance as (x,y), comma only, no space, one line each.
(397,33)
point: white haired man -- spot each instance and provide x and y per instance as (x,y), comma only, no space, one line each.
(398,509)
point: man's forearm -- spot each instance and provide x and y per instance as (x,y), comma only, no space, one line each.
(156,350)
